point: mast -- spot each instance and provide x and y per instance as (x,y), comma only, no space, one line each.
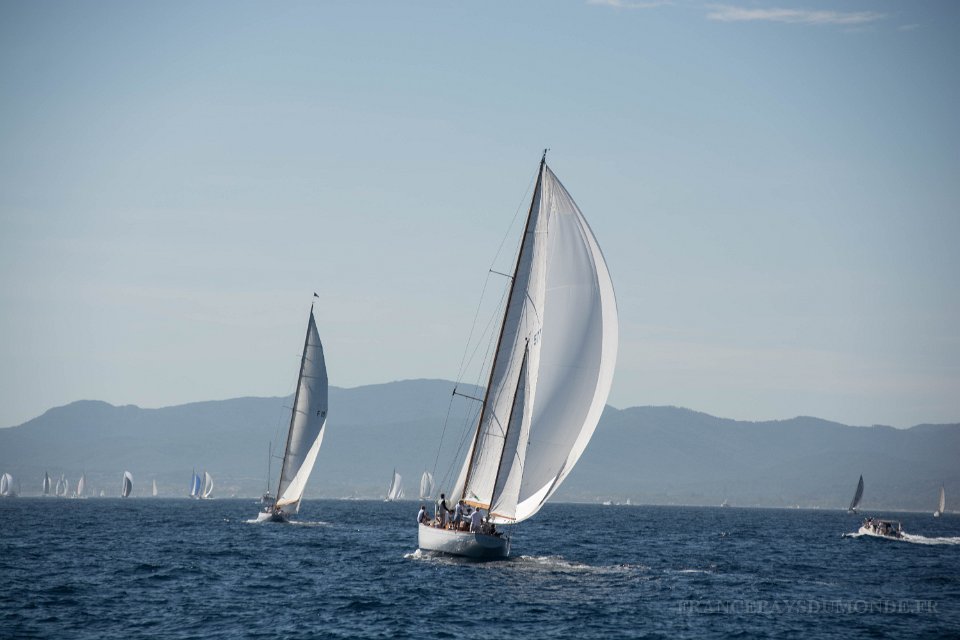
(503,323)
(296,399)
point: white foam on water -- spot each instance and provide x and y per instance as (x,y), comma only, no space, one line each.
(907,537)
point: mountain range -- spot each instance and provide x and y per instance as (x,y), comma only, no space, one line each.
(651,455)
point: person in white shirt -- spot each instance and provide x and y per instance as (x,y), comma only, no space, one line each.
(422,517)
(476,520)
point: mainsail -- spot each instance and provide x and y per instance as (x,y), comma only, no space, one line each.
(554,363)
(46,483)
(855,503)
(154,492)
(81,484)
(127,484)
(943,502)
(207,485)
(195,485)
(426,486)
(6,485)
(395,492)
(307,421)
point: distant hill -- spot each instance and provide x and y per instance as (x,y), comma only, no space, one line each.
(659,455)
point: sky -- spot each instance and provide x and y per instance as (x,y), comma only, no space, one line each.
(775,186)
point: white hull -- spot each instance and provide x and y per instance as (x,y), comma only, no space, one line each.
(936,514)
(462,543)
(870,532)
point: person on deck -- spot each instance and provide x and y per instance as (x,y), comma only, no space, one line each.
(422,517)
(476,521)
(441,511)
(458,516)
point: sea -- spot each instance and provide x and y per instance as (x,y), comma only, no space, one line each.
(180,568)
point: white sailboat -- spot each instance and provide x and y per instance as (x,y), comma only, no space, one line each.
(154,492)
(196,485)
(207,486)
(550,376)
(426,486)
(46,483)
(941,505)
(127,485)
(81,484)
(308,418)
(6,486)
(62,486)
(857,497)
(395,490)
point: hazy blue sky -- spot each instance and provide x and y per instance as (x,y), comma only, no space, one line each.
(776,187)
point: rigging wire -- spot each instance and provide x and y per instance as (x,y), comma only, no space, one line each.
(464,361)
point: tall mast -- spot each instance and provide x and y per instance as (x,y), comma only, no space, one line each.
(296,399)
(493,366)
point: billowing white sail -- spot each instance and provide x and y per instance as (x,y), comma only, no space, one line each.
(554,364)
(46,483)
(857,496)
(6,485)
(207,485)
(307,421)
(127,484)
(942,504)
(426,486)
(395,492)
(196,484)
(81,484)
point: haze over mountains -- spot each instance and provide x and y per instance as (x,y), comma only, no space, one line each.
(656,455)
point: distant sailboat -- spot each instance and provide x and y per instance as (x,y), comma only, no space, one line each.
(942,504)
(81,484)
(207,486)
(857,497)
(196,485)
(63,486)
(46,483)
(426,486)
(550,376)
(154,488)
(395,491)
(308,420)
(6,486)
(127,485)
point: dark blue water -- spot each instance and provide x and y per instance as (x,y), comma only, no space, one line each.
(145,568)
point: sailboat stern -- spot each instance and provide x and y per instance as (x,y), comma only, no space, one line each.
(479,546)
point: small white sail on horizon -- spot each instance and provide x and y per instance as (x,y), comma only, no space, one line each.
(62,486)
(857,497)
(127,485)
(46,483)
(154,492)
(308,420)
(395,491)
(426,486)
(6,486)
(207,485)
(196,484)
(81,484)
(941,505)
(551,372)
